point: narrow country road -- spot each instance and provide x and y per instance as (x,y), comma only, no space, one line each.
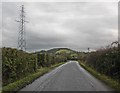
(67,77)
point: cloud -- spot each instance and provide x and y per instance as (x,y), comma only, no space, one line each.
(74,25)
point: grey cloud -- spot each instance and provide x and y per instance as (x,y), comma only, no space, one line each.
(73,25)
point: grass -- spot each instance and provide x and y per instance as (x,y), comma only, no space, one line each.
(16,86)
(107,80)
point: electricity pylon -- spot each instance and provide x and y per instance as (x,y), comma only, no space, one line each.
(21,36)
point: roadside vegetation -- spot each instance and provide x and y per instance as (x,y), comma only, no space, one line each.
(16,64)
(104,64)
(20,68)
(113,83)
(17,85)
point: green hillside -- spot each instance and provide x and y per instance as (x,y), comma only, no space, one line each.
(63,54)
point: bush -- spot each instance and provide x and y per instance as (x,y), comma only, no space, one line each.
(105,61)
(16,64)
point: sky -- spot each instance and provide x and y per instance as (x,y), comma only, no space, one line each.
(74,25)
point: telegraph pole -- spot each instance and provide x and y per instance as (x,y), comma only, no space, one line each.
(21,36)
(88,50)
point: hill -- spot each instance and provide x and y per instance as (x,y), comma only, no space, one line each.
(58,50)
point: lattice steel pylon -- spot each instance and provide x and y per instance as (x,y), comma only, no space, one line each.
(21,37)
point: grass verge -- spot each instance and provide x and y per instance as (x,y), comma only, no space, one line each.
(114,84)
(15,86)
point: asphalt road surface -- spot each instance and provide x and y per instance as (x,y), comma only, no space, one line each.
(67,77)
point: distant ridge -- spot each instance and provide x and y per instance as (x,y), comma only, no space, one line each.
(54,50)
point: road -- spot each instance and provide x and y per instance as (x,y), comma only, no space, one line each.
(67,77)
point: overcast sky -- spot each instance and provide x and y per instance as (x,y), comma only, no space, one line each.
(62,24)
